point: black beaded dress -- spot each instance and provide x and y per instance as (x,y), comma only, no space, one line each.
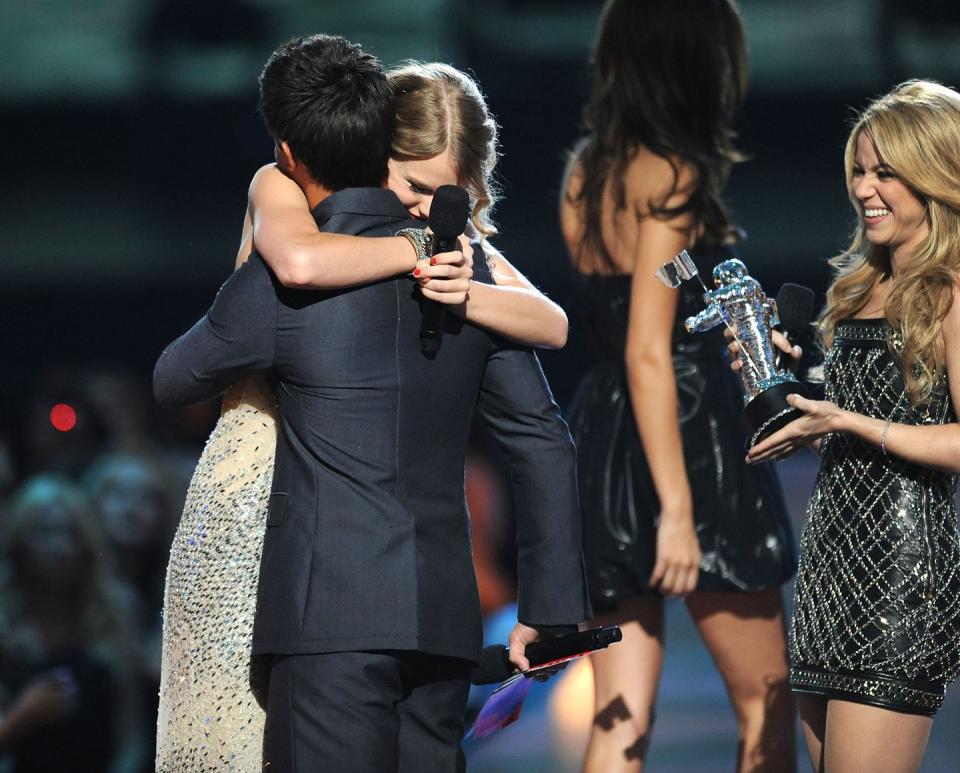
(877,615)
(740,516)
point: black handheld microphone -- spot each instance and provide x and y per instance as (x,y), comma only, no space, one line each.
(795,310)
(448,219)
(495,665)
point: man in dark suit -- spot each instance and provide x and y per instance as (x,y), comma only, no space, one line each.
(367,597)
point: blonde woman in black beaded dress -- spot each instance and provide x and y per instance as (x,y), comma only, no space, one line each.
(209,718)
(876,629)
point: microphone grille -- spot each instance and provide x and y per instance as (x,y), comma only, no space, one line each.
(494,665)
(795,307)
(448,212)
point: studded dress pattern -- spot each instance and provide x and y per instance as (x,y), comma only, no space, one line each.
(209,718)
(877,613)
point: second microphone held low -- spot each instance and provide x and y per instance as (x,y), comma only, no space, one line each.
(495,665)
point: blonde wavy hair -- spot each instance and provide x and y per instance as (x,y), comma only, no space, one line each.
(438,107)
(915,130)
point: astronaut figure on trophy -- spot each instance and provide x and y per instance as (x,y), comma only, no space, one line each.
(738,301)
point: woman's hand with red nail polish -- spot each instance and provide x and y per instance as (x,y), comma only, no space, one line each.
(445,278)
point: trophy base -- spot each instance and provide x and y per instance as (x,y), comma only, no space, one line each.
(769,410)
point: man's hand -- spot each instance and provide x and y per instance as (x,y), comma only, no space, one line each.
(445,277)
(520,637)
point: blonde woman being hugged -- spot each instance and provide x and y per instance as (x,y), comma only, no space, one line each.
(209,716)
(876,627)
(669,506)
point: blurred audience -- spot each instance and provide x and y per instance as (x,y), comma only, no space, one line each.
(66,662)
(132,498)
(133,502)
(87,503)
(45,443)
(87,513)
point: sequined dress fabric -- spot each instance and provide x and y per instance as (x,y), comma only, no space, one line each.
(877,614)
(741,520)
(209,717)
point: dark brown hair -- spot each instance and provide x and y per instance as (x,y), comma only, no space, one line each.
(330,102)
(669,76)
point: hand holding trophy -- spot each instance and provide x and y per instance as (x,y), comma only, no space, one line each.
(739,303)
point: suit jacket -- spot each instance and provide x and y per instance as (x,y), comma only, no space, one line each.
(368,539)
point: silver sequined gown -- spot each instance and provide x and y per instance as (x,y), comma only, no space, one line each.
(209,719)
(877,615)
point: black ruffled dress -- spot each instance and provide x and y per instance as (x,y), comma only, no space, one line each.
(741,519)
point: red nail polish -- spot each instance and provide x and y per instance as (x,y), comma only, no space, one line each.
(433,261)
(416,272)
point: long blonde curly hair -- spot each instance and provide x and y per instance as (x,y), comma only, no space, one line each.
(915,130)
(438,107)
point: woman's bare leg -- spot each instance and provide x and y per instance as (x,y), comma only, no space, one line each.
(745,634)
(813,720)
(626,677)
(867,739)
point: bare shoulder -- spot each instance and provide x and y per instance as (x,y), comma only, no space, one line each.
(572,184)
(269,183)
(501,270)
(653,178)
(572,177)
(491,253)
(264,174)
(571,218)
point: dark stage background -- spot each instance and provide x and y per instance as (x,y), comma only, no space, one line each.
(130,135)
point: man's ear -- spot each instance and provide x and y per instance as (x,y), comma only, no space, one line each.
(285,158)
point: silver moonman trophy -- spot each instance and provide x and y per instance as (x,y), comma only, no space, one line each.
(739,303)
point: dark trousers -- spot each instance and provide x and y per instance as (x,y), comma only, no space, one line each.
(366,712)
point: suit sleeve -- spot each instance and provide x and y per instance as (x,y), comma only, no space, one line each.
(237,334)
(519,410)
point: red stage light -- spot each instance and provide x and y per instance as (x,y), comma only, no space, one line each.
(63,417)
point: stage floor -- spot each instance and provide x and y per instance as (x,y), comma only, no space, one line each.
(695,730)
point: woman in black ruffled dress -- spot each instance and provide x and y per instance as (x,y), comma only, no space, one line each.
(876,629)
(669,505)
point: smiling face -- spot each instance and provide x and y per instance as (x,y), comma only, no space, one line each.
(892,214)
(415,182)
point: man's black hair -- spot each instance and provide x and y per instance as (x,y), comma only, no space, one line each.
(330,102)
